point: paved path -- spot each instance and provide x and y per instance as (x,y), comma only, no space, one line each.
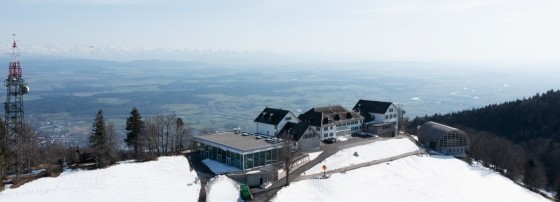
(328,150)
(356,166)
(202,194)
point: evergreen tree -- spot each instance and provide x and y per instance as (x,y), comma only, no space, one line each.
(134,128)
(533,176)
(558,189)
(99,141)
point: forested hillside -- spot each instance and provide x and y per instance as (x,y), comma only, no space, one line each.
(520,139)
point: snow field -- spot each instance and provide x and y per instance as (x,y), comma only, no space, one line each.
(411,179)
(167,179)
(222,189)
(374,151)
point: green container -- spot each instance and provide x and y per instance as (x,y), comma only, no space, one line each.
(245,192)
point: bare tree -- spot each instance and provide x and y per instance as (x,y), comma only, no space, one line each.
(150,138)
(288,154)
(112,141)
(29,148)
(184,134)
(158,123)
(3,151)
(169,122)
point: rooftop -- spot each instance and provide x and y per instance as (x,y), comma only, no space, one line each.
(271,116)
(333,114)
(238,142)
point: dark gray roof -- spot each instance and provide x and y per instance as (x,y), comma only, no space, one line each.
(236,142)
(296,130)
(433,132)
(271,116)
(319,116)
(369,106)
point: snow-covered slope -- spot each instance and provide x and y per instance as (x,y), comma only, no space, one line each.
(167,179)
(222,189)
(374,151)
(412,178)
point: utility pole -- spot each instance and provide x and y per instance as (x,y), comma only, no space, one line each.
(16,87)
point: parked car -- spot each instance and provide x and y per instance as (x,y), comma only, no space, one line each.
(329,140)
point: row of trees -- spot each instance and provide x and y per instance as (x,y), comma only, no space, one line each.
(24,157)
(149,138)
(156,136)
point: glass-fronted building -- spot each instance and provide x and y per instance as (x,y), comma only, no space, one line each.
(241,150)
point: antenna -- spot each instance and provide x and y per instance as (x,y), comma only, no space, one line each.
(16,87)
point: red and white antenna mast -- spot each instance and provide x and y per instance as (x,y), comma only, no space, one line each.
(15,67)
(16,87)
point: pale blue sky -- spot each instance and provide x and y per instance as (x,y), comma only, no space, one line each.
(435,30)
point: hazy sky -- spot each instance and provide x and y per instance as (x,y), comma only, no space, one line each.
(425,30)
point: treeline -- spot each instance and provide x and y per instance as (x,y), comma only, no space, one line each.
(520,139)
(148,138)
(156,136)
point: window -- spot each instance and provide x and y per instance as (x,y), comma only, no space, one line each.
(390,109)
(331,127)
(386,116)
(288,118)
(326,128)
(317,128)
(325,135)
(274,155)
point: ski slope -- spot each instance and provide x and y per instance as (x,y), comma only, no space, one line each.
(413,178)
(167,179)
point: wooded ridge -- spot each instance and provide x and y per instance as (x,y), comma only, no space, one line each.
(520,139)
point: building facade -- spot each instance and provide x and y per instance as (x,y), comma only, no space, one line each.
(332,121)
(376,116)
(443,139)
(241,150)
(305,136)
(270,121)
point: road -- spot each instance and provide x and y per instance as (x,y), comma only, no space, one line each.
(328,150)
